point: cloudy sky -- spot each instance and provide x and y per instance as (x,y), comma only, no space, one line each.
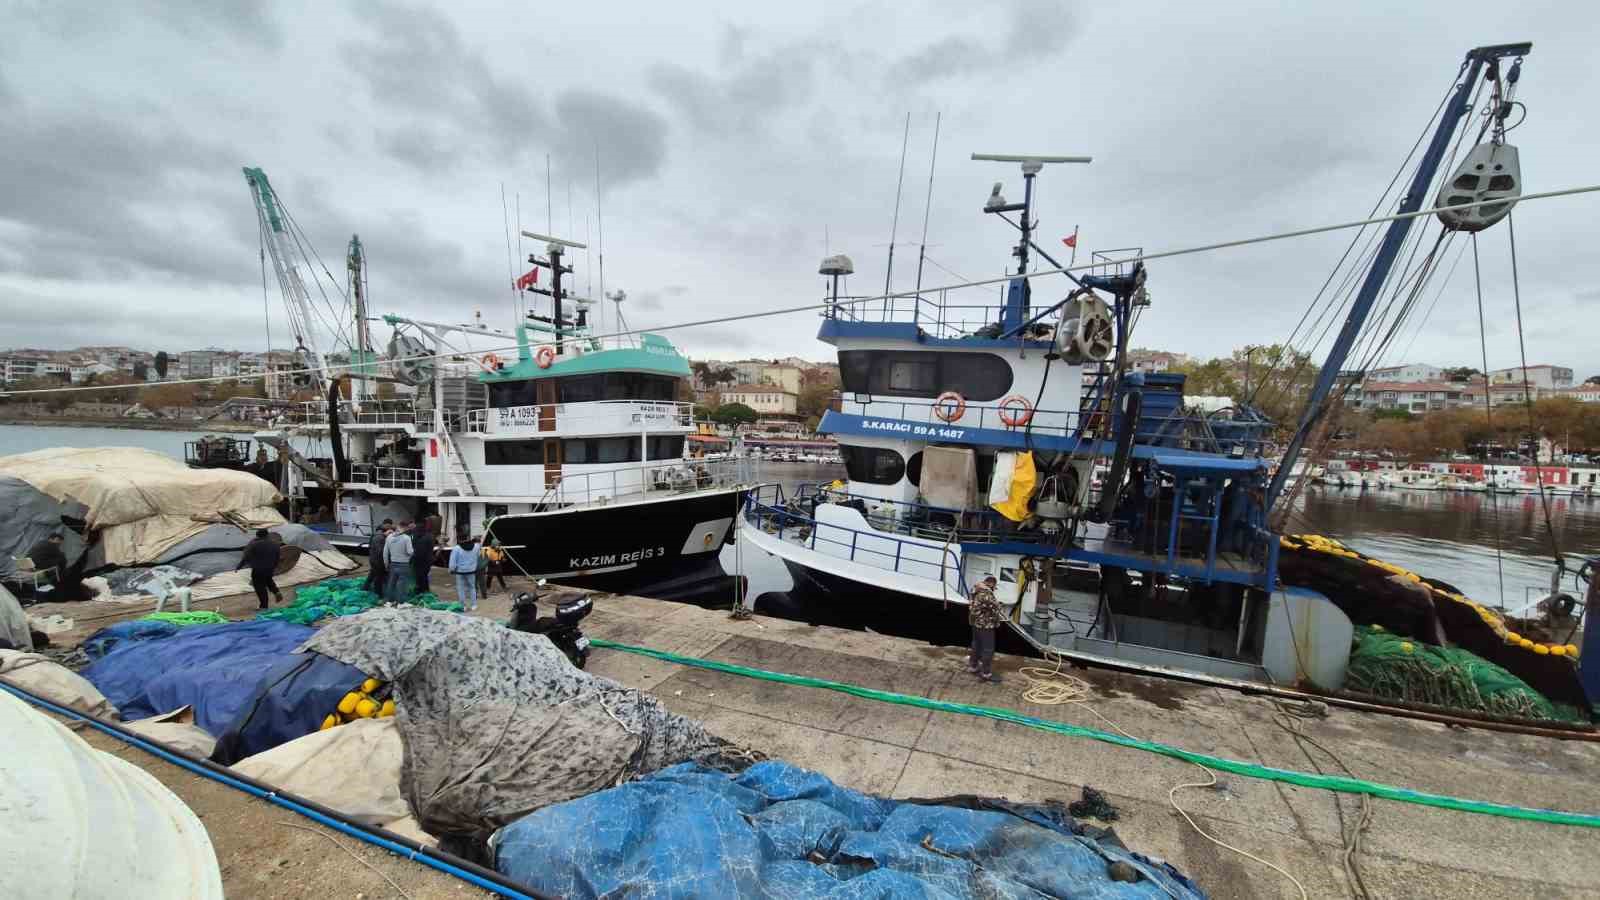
(737,143)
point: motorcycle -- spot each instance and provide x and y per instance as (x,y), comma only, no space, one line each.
(562,628)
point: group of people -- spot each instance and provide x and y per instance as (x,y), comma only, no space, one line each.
(400,559)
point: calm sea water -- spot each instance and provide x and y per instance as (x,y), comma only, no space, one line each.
(1452,536)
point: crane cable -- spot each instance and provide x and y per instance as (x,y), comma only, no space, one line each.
(1527,396)
(1488,414)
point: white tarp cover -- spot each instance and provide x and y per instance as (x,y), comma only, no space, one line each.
(14,622)
(43,677)
(176,729)
(353,768)
(144,502)
(81,822)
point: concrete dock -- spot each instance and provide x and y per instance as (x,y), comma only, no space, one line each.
(1405,850)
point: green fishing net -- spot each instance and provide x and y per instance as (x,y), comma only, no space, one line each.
(1396,668)
(198,617)
(342,597)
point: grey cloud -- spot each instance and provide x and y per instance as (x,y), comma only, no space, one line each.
(92,196)
(1035,30)
(749,91)
(632,140)
(245,21)
(416,62)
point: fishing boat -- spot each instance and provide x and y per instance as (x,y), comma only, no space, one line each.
(569,452)
(1014,439)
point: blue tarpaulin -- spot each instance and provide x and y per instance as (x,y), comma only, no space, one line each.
(777,830)
(213,668)
(289,701)
(108,638)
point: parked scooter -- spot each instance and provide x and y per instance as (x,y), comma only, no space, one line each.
(562,628)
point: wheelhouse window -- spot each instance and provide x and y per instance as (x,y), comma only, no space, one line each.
(513,453)
(617,386)
(598,451)
(511,393)
(979,377)
(873,465)
(667,446)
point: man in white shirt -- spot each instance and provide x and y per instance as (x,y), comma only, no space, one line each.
(397,558)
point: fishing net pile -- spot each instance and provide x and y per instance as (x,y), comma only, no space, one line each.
(1393,667)
(343,597)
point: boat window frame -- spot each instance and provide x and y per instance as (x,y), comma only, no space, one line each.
(975,375)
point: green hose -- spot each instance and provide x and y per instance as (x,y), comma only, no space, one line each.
(1337,783)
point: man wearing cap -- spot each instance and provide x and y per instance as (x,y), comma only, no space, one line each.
(983,613)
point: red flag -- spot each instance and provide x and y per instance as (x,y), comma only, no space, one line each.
(528,279)
(1071,241)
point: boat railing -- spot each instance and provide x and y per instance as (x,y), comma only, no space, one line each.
(933,312)
(551,488)
(1062,422)
(922,520)
(388,477)
(371,412)
(769,509)
(588,416)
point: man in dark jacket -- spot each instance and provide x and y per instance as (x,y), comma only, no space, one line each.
(48,557)
(377,576)
(983,613)
(422,544)
(261,555)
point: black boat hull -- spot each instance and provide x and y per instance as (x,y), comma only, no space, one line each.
(626,548)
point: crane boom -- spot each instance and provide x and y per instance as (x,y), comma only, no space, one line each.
(297,300)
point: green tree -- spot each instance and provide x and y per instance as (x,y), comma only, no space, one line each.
(1461,373)
(733,414)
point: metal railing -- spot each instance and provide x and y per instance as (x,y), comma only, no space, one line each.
(389,477)
(931,312)
(1055,422)
(596,416)
(918,520)
(767,508)
(373,412)
(632,481)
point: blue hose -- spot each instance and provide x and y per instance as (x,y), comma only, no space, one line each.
(272,797)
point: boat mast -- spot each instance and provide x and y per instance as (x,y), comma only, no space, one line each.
(364,369)
(297,299)
(1458,106)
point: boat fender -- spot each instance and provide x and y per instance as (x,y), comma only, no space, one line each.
(491,362)
(1016,411)
(544,357)
(950,406)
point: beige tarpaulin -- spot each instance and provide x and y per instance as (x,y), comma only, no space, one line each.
(353,768)
(144,502)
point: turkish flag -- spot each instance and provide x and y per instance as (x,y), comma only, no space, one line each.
(528,279)
(1071,241)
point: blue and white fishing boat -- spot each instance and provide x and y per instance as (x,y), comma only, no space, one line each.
(1014,439)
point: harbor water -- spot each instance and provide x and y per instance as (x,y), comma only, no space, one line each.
(1474,541)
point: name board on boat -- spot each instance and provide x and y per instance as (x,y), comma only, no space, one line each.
(913,429)
(518,417)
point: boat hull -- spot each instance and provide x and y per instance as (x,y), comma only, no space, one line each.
(626,547)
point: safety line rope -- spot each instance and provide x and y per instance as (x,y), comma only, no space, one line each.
(1341,784)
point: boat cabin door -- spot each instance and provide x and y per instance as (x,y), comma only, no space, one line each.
(552,462)
(546,395)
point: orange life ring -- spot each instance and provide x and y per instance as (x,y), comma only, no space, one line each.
(950,406)
(544,357)
(1015,410)
(490,361)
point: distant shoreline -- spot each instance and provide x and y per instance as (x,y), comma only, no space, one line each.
(129,423)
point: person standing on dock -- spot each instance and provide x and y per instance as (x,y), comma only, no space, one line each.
(494,566)
(397,563)
(261,556)
(422,546)
(464,562)
(377,575)
(983,613)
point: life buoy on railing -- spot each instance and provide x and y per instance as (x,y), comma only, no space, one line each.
(544,357)
(950,406)
(490,362)
(1015,410)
